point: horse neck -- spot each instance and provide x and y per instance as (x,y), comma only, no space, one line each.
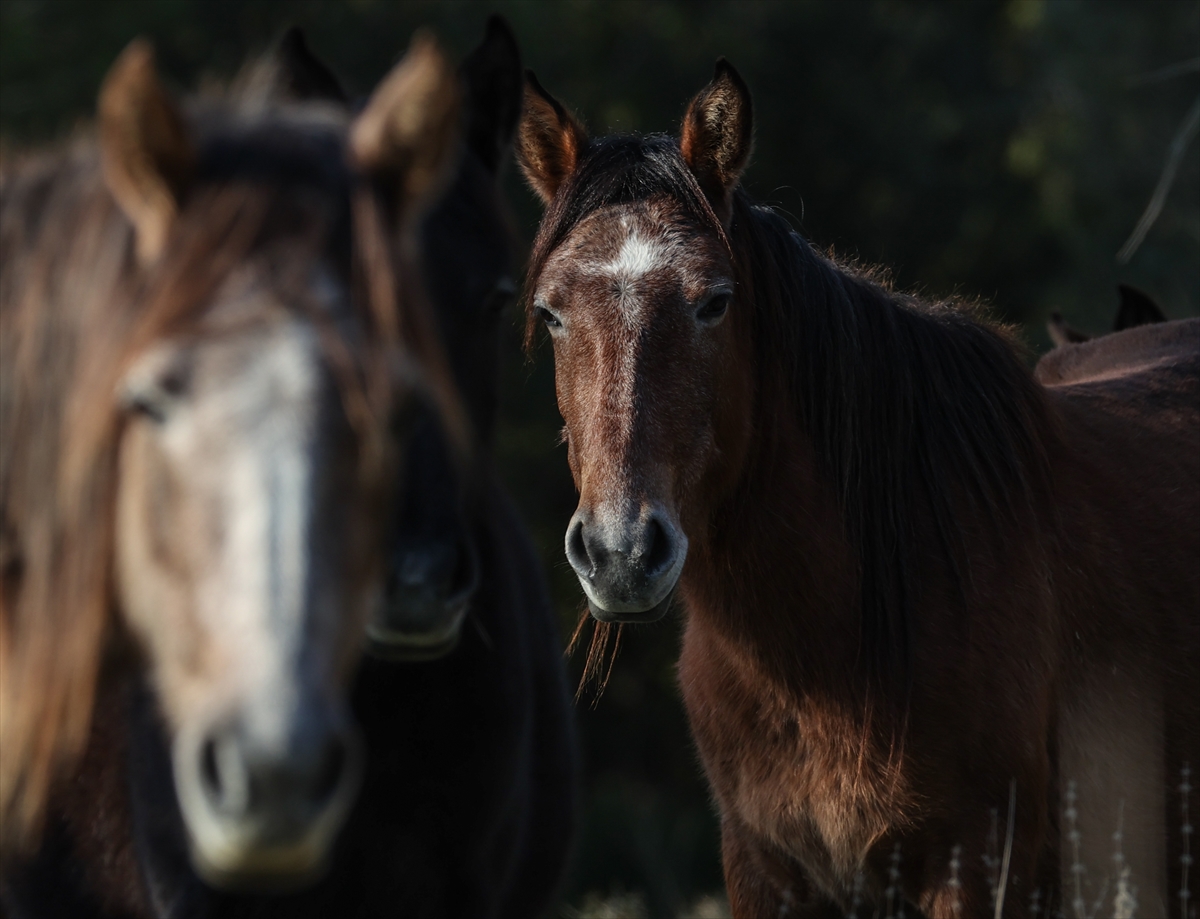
(773,572)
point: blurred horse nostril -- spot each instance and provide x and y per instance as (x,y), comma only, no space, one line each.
(464,577)
(210,776)
(329,773)
(223,774)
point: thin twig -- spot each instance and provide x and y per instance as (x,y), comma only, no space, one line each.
(1008,840)
(1167,73)
(1175,152)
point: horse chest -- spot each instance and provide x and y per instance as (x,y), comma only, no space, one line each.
(789,770)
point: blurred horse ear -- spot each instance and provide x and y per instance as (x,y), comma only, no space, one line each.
(717,136)
(144,145)
(408,132)
(495,83)
(302,75)
(550,140)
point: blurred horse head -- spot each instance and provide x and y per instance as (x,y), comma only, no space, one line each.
(210,348)
(467,257)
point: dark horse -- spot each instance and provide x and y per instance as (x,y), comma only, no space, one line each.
(209,349)
(925,596)
(492,755)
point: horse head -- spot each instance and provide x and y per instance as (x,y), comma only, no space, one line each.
(633,276)
(262,410)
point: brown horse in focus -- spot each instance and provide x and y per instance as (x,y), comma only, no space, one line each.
(922,591)
(208,353)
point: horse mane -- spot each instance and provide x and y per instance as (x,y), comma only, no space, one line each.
(917,412)
(75,311)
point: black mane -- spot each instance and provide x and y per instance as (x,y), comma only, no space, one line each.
(915,410)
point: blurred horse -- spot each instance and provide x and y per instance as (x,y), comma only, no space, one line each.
(468,805)
(921,590)
(208,358)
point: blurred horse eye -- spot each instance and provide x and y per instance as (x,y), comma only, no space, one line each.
(501,295)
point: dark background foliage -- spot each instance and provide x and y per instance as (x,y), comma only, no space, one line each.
(999,149)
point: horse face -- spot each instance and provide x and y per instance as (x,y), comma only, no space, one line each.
(433,562)
(642,309)
(433,566)
(244,544)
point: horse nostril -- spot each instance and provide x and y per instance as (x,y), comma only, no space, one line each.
(577,551)
(223,774)
(329,773)
(465,576)
(659,552)
(209,773)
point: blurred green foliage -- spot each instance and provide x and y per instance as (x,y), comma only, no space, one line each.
(1000,149)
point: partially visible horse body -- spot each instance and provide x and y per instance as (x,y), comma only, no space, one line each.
(934,607)
(1136,308)
(208,344)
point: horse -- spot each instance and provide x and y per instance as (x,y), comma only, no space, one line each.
(1136,308)
(210,354)
(926,598)
(469,801)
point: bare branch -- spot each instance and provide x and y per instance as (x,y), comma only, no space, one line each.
(1175,152)
(1167,73)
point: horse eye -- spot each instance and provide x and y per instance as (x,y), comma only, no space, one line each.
(148,405)
(155,395)
(547,317)
(714,307)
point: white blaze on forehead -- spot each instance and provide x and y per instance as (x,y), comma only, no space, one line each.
(261,426)
(638,256)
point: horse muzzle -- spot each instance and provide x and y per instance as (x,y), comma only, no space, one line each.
(628,568)
(264,818)
(428,594)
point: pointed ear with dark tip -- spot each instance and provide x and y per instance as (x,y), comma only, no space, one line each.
(1137,308)
(550,140)
(495,84)
(144,146)
(1063,333)
(718,134)
(302,75)
(408,133)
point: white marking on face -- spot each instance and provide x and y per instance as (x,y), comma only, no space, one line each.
(259,592)
(638,256)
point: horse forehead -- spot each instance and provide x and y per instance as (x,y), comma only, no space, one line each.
(630,248)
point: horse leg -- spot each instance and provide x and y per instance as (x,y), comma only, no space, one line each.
(765,884)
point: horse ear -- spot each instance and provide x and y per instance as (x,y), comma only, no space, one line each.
(1063,333)
(302,75)
(494,82)
(145,149)
(409,130)
(717,135)
(1137,308)
(549,141)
